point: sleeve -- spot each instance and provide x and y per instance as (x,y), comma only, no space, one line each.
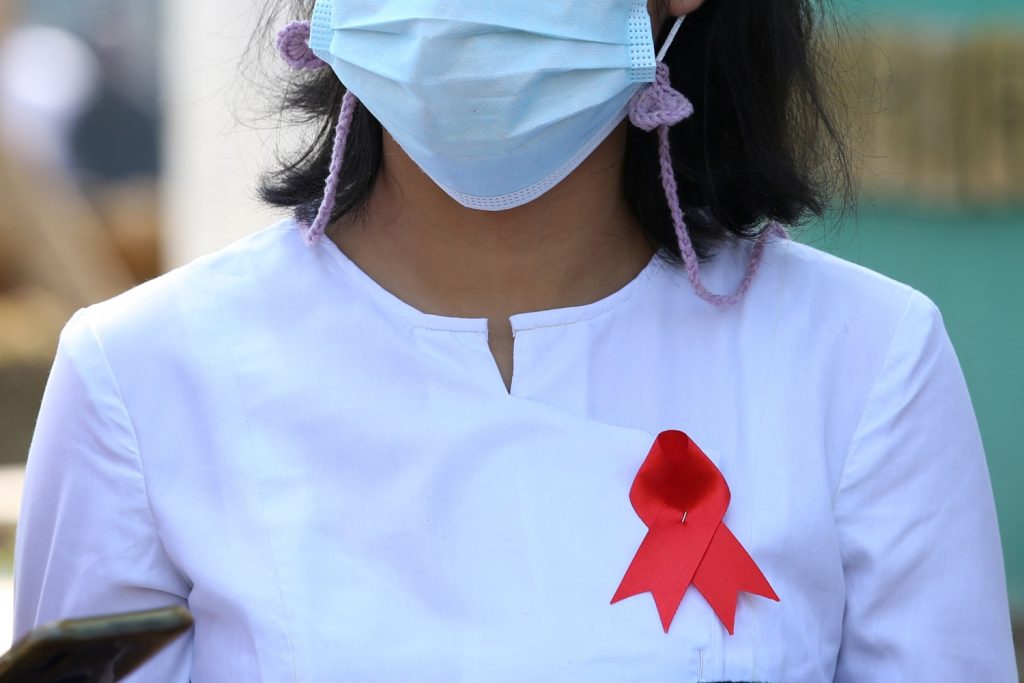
(86,541)
(926,592)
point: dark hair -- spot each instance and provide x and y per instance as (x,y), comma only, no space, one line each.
(764,144)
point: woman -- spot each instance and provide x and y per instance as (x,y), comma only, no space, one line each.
(492,397)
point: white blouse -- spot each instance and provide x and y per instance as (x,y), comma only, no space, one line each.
(340,488)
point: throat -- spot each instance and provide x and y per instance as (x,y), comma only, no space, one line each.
(501,340)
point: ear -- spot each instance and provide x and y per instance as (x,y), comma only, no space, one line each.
(678,8)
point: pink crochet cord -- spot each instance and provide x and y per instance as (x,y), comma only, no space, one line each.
(659,107)
(293,44)
(315,232)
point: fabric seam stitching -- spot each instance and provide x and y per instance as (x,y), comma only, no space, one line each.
(259,488)
(640,284)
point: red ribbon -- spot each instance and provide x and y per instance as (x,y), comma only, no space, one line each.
(682,497)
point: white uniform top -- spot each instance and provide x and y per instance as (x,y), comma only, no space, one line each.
(340,488)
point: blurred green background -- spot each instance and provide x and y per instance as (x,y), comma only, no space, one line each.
(913,13)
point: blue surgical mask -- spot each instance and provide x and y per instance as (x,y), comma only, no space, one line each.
(496,101)
(499,102)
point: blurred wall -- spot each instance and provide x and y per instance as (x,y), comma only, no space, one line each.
(79,124)
(211,161)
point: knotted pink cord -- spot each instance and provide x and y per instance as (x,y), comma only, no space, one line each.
(659,106)
(293,44)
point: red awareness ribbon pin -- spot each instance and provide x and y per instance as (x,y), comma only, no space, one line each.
(682,497)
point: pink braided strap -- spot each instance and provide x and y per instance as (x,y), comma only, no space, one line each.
(293,44)
(659,106)
(315,232)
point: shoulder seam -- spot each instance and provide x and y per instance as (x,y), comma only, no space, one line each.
(134,434)
(287,627)
(874,386)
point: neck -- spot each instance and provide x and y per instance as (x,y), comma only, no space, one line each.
(574,245)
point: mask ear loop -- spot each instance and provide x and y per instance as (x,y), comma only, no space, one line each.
(658,107)
(293,44)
